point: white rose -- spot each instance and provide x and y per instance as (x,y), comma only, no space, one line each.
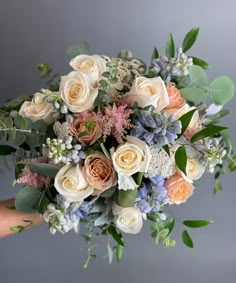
(181,111)
(128,219)
(77,92)
(149,92)
(194,169)
(93,66)
(71,183)
(37,109)
(131,157)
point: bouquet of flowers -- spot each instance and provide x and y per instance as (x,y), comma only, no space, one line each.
(113,143)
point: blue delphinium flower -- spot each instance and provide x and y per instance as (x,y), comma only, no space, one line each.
(152,195)
(155,127)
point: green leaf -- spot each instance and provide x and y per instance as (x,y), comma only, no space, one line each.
(22,123)
(6,149)
(198,76)
(44,70)
(106,74)
(116,236)
(14,104)
(17,228)
(185,120)
(200,62)
(187,239)
(170,47)
(166,149)
(155,54)
(197,223)
(194,94)
(190,38)
(113,80)
(78,49)
(181,158)
(222,90)
(215,118)
(162,235)
(232,164)
(110,253)
(138,177)
(217,187)
(208,131)
(27,199)
(119,252)
(127,198)
(170,225)
(103,83)
(108,193)
(44,169)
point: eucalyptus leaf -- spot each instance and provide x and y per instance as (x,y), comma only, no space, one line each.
(22,123)
(194,94)
(222,90)
(127,198)
(27,199)
(187,239)
(170,47)
(197,223)
(181,158)
(78,49)
(208,131)
(190,38)
(198,76)
(44,169)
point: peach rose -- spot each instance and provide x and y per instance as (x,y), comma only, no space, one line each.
(179,190)
(175,98)
(86,125)
(99,172)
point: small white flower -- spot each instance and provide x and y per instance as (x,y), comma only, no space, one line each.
(213,109)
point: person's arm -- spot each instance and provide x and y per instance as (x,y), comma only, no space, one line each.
(11,217)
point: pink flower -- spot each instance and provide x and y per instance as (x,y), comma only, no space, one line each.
(116,121)
(33,179)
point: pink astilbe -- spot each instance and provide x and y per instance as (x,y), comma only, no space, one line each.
(116,121)
(33,179)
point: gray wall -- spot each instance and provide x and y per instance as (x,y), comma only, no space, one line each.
(32,32)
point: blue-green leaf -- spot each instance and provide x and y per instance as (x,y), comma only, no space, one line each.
(78,49)
(194,94)
(222,90)
(190,38)
(110,253)
(187,239)
(208,131)
(198,76)
(44,169)
(197,223)
(181,158)
(170,47)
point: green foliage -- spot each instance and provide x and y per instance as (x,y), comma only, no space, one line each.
(170,47)
(78,49)
(198,76)
(170,225)
(187,239)
(119,252)
(197,223)
(6,149)
(110,253)
(208,131)
(232,164)
(190,38)
(27,199)
(185,120)
(44,169)
(166,149)
(194,94)
(200,62)
(155,54)
(15,103)
(44,70)
(216,118)
(138,177)
(127,198)
(217,187)
(181,158)
(18,228)
(222,90)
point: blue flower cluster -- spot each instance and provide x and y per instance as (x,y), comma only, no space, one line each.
(152,195)
(155,127)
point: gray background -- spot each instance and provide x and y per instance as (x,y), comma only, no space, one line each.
(37,31)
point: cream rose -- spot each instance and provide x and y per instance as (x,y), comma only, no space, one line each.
(128,219)
(37,109)
(132,157)
(194,169)
(71,183)
(149,92)
(178,112)
(93,66)
(77,92)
